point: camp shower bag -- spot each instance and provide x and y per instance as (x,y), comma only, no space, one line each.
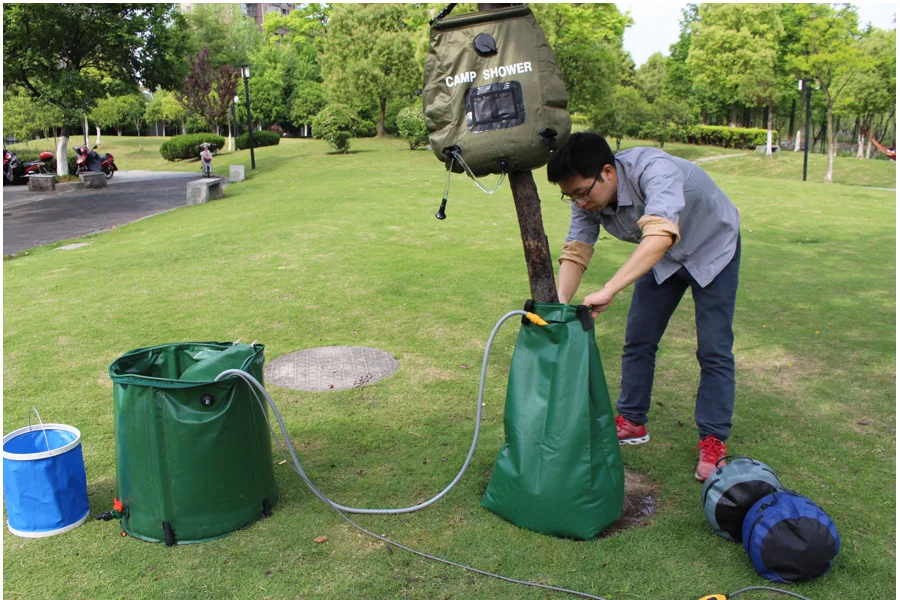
(493,92)
(559,470)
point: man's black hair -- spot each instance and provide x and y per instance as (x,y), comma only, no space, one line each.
(584,153)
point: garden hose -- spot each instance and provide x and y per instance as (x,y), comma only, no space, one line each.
(255,386)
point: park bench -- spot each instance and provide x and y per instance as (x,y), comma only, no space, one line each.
(92,180)
(41,183)
(202,190)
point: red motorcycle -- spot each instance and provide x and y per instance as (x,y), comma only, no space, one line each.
(36,167)
(86,160)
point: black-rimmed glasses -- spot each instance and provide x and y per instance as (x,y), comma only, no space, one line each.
(573,199)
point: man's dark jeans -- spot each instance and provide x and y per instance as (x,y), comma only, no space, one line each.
(652,305)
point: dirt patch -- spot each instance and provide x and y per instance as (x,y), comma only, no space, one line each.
(641,503)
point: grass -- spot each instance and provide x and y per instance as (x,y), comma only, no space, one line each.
(316,249)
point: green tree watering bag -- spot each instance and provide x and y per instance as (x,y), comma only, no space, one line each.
(492,88)
(559,470)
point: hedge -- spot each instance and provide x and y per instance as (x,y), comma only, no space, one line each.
(182,147)
(727,137)
(260,139)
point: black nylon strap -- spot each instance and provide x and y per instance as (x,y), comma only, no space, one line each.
(442,14)
(584,313)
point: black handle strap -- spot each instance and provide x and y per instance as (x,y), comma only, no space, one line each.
(584,313)
(529,307)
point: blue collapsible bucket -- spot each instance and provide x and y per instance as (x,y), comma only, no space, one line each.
(44,482)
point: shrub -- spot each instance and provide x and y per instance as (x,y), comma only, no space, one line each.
(728,137)
(411,126)
(260,139)
(181,147)
(336,124)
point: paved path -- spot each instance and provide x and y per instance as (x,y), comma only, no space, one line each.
(35,218)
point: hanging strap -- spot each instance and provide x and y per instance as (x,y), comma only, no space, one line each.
(442,14)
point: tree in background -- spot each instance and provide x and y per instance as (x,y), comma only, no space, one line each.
(164,107)
(223,28)
(873,93)
(624,117)
(24,117)
(71,55)
(734,51)
(110,112)
(369,57)
(586,39)
(135,110)
(666,119)
(651,78)
(209,92)
(828,53)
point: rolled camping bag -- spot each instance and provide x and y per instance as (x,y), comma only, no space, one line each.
(559,470)
(492,89)
(789,538)
(731,490)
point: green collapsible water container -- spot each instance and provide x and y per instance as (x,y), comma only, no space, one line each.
(559,470)
(193,455)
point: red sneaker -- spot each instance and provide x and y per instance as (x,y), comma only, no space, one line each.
(630,433)
(711,452)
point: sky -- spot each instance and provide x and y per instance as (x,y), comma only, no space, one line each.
(656,24)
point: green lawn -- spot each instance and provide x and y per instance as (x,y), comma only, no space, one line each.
(316,249)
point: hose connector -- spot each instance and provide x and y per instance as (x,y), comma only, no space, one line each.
(536,319)
(118,511)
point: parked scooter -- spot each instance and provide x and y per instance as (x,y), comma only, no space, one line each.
(206,160)
(88,160)
(36,167)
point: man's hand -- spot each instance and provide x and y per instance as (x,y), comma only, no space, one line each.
(599,301)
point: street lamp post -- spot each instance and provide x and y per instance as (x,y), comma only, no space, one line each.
(245,73)
(805,85)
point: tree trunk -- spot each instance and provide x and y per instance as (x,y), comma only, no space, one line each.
(703,117)
(534,240)
(733,114)
(861,141)
(119,131)
(140,142)
(62,163)
(829,145)
(769,132)
(97,127)
(183,129)
(383,106)
(86,129)
(793,112)
(230,139)
(531,225)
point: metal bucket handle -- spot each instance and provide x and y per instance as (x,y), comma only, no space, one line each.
(44,429)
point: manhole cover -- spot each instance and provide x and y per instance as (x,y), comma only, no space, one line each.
(331,368)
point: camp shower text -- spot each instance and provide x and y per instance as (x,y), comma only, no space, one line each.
(492,73)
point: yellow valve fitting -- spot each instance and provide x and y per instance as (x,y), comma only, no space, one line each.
(537,320)
(714,597)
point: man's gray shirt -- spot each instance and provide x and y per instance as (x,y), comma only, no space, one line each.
(652,182)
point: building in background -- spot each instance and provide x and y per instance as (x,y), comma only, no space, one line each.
(255,10)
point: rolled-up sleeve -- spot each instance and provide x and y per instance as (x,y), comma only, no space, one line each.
(662,184)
